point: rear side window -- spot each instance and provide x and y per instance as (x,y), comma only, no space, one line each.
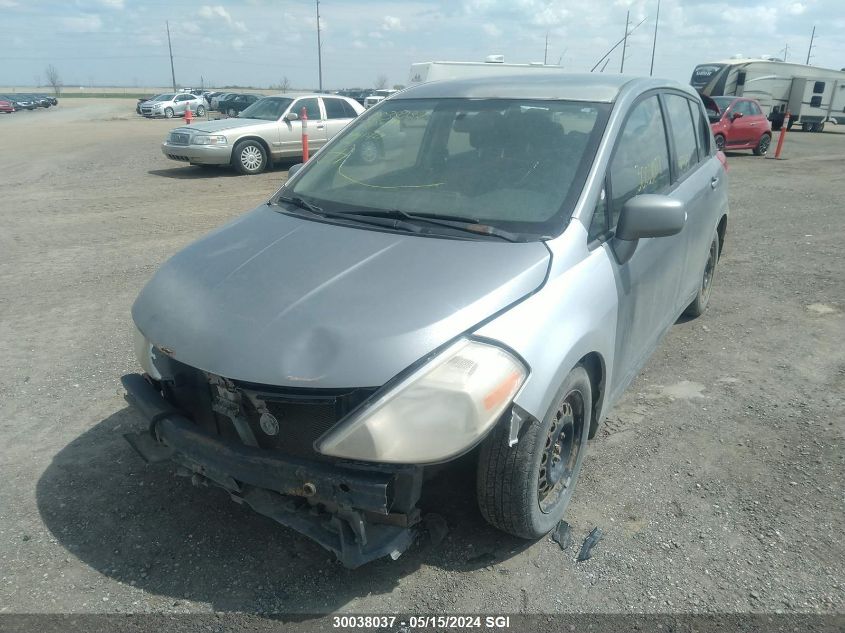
(348,109)
(683,133)
(818,87)
(755,109)
(334,109)
(312,107)
(816,101)
(702,128)
(641,161)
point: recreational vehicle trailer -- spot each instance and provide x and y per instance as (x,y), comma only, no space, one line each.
(494,65)
(812,95)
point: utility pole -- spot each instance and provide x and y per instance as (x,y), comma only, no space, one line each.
(546,52)
(170,48)
(654,42)
(319,49)
(625,41)
(810,50)
(786,52)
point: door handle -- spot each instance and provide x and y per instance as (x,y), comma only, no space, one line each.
(320,127)
(714,181)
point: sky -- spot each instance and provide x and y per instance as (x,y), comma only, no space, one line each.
(259,42)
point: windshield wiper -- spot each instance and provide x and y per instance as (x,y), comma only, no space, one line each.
(460,223)
(392,222)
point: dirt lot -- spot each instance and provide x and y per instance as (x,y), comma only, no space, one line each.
(718,481)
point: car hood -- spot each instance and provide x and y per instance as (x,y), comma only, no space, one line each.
(222,125)
(280,300)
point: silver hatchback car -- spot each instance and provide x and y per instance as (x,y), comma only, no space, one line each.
(487,287)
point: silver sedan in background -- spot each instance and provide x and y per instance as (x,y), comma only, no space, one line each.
(268,130)
(173,104)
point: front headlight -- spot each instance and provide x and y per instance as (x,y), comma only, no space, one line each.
(207,139)
(437,413)
(144,354)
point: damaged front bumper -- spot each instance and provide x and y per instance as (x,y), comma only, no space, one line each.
(358,511)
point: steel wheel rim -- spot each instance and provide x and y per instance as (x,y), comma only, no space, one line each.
(709,270)
(251,157)
(561,451)
(764,144)
(720,143)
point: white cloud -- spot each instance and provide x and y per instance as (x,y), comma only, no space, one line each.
(392,23)
(8,4)
(358,44)
(237,44)
(219,13)
(112,4)
(491,29)
(796,8)
(82,23)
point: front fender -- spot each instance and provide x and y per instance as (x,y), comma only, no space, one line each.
(573,315)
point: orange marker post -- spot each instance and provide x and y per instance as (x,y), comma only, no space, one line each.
(189,116)
(304,118)
(784,126)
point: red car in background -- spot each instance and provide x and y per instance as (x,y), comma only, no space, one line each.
(6,106)
(738,123)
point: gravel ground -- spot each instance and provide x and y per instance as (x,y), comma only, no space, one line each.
(717,481)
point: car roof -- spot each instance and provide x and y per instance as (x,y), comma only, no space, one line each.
(536,84)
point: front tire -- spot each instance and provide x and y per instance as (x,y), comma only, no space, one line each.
(702,299)
(249,157)
(763,145)
(168,113)
(525,489)
(720,142)
(231,112)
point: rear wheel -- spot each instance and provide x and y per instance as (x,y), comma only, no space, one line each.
(763,145)
(200,110)
(231,112)
(168,113)
(702,299)
(525,489)
(249,157)
(720,142)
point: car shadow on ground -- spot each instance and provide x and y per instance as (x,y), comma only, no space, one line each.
(192,172)
(141,525)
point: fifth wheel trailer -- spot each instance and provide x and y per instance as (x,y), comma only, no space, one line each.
(813,96)
(422,72)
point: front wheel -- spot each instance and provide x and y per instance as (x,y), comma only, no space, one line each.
(249,157)
(231,112)
(763,145)
(168,113)
(200,111)
(702,299)
(525,489)
(720,142)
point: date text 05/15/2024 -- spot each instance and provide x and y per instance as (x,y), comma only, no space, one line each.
(421,621)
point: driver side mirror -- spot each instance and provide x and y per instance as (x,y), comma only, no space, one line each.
(291,116)
(646,215)
(736,115)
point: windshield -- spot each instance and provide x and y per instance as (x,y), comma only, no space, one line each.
(165,97)
(517,164)
(267,109)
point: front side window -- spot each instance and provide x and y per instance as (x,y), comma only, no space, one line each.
(166,97)
(518,164)
(683,134)
(312,108)
(640,162)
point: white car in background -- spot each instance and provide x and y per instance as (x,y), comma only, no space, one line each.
(173,104)
(268,130)
(377,96)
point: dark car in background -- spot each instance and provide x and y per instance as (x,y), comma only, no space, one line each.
(23,102)
(234,103)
